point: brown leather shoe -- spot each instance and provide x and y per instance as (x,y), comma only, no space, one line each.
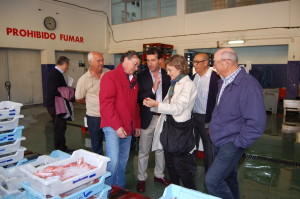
(164,181)
(140,187)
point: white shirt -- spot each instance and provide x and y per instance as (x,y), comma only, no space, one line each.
(202,85)
(158,93)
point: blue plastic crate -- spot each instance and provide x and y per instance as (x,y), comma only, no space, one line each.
(178,192)
(11,135)
(99,189)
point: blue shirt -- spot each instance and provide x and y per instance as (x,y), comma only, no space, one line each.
(240,116)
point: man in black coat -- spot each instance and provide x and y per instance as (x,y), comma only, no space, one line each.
(206,81)
(55,80)
(153,83)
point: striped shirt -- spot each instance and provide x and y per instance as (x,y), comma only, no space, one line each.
(226,81)
(202,85)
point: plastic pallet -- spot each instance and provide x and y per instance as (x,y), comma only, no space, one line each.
(178,192)
(99,189)
(10,124)
(54,186)
(9,109)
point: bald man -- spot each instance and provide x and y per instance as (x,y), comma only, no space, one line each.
(238,120)
(87,91)
(206,82)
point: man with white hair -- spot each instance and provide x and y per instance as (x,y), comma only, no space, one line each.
(87,91)
(238,120)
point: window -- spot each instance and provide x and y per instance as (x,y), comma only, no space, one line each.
(206,5)
(124,11)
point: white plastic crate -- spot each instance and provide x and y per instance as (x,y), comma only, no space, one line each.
(13,147)
(9,109)
(15,157)
(11,178)
(54,186)
(11,135)
(87,190)
(10,123)
(178,192)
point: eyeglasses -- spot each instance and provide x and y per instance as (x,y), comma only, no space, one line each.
(216,62)
(198,62)
(135,64)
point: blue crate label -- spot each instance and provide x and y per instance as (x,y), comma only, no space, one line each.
(80,179)
(12,110)
(9,160)
(2,139)
(87,194)
(2,150)
(93,175)
(12,114)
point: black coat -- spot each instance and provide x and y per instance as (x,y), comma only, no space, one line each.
(55,79)
(145,90)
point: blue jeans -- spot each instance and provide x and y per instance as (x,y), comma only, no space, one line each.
(221,178)
(96,134)
(117,149)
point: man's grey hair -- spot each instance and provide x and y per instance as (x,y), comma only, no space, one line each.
(230,55)
(91,56)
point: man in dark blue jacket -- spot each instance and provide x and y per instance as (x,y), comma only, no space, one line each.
(238,119)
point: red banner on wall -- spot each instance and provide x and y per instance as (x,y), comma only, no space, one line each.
(42,35)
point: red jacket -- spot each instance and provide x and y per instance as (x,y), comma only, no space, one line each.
(118,102)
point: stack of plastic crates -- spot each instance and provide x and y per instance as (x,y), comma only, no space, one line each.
(11,178)
(88,183)
(10,133)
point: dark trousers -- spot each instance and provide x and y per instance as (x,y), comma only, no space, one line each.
(201,131)
(181,167)
(59,125)
(96,134)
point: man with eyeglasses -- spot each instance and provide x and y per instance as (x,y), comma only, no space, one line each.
(238,120)
(120,116)
(206,82)
(153,83)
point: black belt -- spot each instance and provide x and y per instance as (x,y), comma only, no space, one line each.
(158,114)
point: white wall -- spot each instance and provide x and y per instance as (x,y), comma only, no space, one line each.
(268,24)
(29,15)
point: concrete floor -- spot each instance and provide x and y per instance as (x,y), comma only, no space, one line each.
(270,169)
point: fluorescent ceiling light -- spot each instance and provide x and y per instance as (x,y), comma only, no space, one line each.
(236,42)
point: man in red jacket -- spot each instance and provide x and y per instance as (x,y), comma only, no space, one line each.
(120,114)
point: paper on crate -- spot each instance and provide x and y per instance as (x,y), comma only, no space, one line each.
(54,186)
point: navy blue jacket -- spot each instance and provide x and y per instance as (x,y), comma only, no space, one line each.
(240,116)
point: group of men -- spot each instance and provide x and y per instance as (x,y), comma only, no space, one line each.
(228,114)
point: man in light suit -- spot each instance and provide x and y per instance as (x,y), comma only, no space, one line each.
(153,83)
(206,82)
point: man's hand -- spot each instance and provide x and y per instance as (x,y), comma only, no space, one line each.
(121,133)
(156,83)
(137,132)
